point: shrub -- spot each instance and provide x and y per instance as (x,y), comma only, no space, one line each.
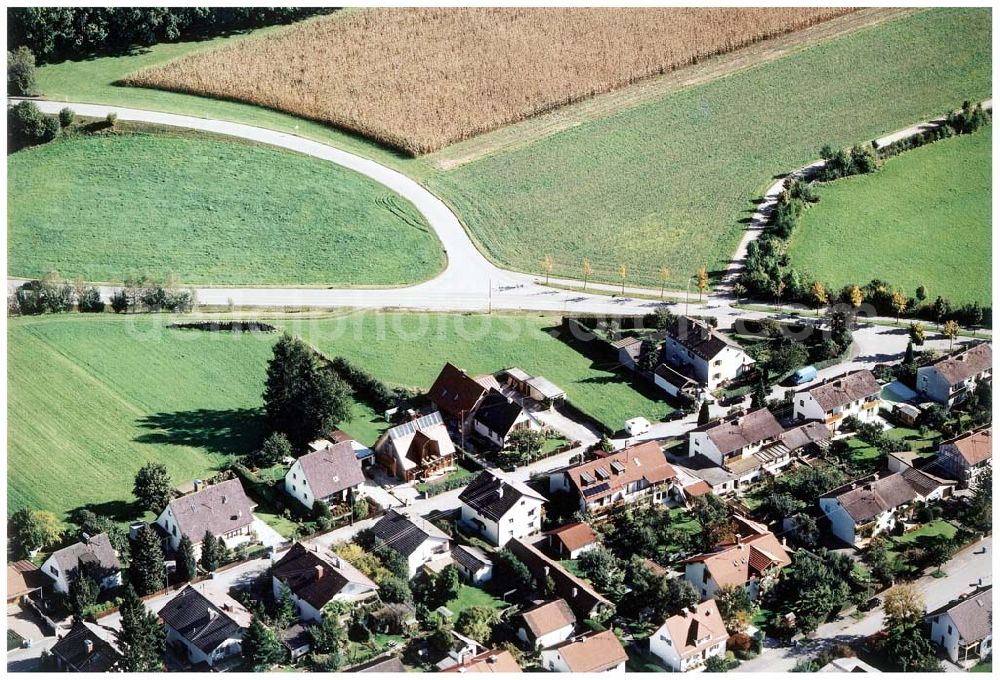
(27,125)
(111,119)
(739,642)
(21,73)
(365,385)
(66,117)
(90,300)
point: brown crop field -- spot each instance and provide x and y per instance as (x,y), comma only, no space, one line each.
(420,79)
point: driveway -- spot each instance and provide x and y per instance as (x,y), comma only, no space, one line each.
(265,534)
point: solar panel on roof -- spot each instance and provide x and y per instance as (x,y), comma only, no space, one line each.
(594,490)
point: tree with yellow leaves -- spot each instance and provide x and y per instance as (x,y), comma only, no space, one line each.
(547,265)
(819,295)
(664,276)
(622,273)
(702,280)
(856,297)
(587,271)
(899,303)
(950,331)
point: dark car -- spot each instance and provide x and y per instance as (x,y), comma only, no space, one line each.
(871,604)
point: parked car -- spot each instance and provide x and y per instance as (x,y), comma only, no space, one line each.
(873,603)
(804,375)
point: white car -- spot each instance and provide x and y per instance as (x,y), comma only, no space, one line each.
(636,426)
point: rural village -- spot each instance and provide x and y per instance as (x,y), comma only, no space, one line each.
(291,389)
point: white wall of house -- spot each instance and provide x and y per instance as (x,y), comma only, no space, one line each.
(523,422)
(552,638)
(431,549)
(297,486)
(231,647)
(61,579)
(701,579)
(945,633)
(523,519)
(478,577)
(724,366)
(168,523)
(662,646)
(306,611)
(805,407)
(701,443)
(841,523)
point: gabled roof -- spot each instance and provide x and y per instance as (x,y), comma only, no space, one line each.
(417,440)
(591,653)
(490,661)
(201,621)
(964,365)
(680,376)
(733,564)
(498,413)
(843,389)
(971,616)
(693,631)
(332,469)
(390,664)
(699,338)
(23,578)
(101,655)
(317,578)
(604,476)
(470,557)
(741,430)
(812,432)
(549,617)
(492,494)
(869,497)
(581,596)
(574,536)
(95,553)
(218,509)
(975,447)
(456,393)
(626,341)
(405,532)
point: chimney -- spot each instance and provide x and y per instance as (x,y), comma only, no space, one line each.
(212,614)
(500,490)
(225,499)
(546,570)
(88,646)
(197,484)
(575,591)
(319,572)
(693,608)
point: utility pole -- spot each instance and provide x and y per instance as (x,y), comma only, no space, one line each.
(490,306)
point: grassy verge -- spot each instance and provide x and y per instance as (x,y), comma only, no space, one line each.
(469,596)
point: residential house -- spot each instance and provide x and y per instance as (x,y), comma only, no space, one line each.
(332,474)
(570,541)
(752,561)
(413,537)
(416,449)
(744,444)
(500,508)
(24,579)
(297,639)
(94,556)
(457,395)
(547,624)
(585,602)
(964,629)
(588,653)
(636,475)
(848,664)
(472,563)
(205,626)
(498,416)
(678,381)
(951,380)
(696,350)
(862,509)
(851,394)
(687,640)
(629,348)
(87,648)
(315,579)
(388,664)
(222,509)
(965,458)
(490,661)
(536,387)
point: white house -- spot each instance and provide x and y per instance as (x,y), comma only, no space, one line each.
(316,579)
(964,629)
(498,416)
(852,394)
(686,641)
(93,556)
(472,563)
(952,379)
(547,624)
(222,510)
(413,537)
(206,624)
(331,474)
(500,508)
(587,653)
(965,458)
(744,444)
(697,351)
(867,507)
(570,541)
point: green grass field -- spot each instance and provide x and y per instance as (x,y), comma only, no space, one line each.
(103,206)
(922,219)
(469,596)
(93,398)
(410,350)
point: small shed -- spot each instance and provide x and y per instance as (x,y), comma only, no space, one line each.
(906,413)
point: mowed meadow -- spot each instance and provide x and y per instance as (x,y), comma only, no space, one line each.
(419,79)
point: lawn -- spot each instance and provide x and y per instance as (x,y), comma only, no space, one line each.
(982,667)
(934,528)
(102,206)
(410,349)
(92,398)
(892,222)
(469,596)
(668,182)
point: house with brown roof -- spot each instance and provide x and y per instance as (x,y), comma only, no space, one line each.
(24,579)
(952,379)
(332,474)
(851,394)
(571,540)
(966,457)
(490,661)
(94,556)
(499,507)
(865,508)
(585,602)
(222,509)
(547,624)
(588,653)
(752,561)
(317,578)
(694,349)
(629,348)
(632,476)
(687,640)
(457,395)
(417,449)
(744,444)
(964,629)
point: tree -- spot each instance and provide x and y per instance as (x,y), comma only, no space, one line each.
(806,529)
(147,570)
(119,301)
(21,73)
(27,125)
(83,593)
(302,398)
(701,280)
(622,273)
(921,293)
(448,583)
(547,265)
(187,564)
(979,513)
(31,530)
(66,117)
(906,642)
(141,639)
(213,552)
(908,358)
(395,589)
(275,448)
(605,571)
(739,291)
(732,600)
(523,446)
(261,647)
(941,308)
(89,300)
(899,303)
(587,271)
(855,297)
(818,295)
(477,623)
(153,488)
(510,573)
(883,568)
(704,414)
(286,611)
(664,276)
(917,333)
(950,331)
(328,635)
(715,518)
(758,398)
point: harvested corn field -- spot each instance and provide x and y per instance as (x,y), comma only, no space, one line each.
(420,79)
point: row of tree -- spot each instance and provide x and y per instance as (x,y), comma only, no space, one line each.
(52,294)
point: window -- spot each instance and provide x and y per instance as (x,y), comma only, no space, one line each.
(949,630)
(704,576)
(293,487)
(55,572)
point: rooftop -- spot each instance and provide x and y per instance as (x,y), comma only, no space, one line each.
(332,469)
(844,389)
(492,494)
(404,532)
(592,652)
(218,509)
(966,364)
(696,628)
(741,430)
(549,617)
